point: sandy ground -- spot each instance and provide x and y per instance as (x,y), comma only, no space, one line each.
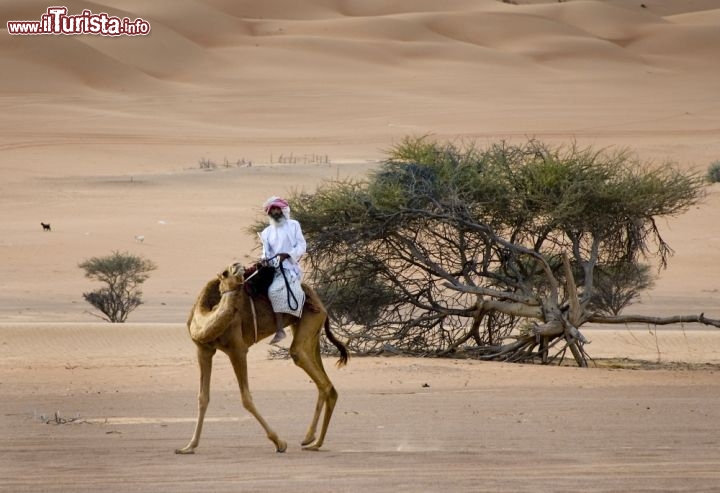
(401,424)
(102,138)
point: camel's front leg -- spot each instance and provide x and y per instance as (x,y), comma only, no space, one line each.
(205,356)
(238,358)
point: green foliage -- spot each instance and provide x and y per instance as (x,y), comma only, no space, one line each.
(497,218)
(341,290)
(122,274)
(713,173)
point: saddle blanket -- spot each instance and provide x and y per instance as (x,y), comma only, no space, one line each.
(281,300)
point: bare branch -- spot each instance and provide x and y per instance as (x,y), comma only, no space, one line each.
(643,319)
(514,309)
(506,295)
(571,288)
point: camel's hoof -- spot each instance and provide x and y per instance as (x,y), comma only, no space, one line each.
(184,451)
(307,441)
(312,448)
(281,447)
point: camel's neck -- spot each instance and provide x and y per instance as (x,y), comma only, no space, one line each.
(212,313)
(224,294)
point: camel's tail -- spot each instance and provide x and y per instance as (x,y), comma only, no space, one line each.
(343,351)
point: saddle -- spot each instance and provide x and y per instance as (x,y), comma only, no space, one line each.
(257,286)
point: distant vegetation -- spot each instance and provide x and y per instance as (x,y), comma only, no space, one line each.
(209,164)
(122,274)
(713,174)
(291,158)
(300,159)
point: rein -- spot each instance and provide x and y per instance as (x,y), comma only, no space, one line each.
(290,294)
(288,290)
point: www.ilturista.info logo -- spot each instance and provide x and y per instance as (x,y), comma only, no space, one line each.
(57,21)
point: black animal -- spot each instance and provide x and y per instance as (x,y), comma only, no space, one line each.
(46,227)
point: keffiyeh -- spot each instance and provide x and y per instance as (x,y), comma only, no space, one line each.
(277,202)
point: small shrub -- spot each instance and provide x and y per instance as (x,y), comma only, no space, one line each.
(713,174)
(122,273)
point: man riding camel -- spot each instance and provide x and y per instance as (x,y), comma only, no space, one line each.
(283,246)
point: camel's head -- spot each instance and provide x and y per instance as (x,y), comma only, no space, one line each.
(231,278)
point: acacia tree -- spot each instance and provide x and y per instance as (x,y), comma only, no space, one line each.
(451,248)
(122,273)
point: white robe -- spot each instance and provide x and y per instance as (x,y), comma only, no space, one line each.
(285,237)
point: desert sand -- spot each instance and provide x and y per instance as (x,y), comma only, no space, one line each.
(102,138)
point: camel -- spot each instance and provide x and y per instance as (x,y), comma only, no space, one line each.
(223,317)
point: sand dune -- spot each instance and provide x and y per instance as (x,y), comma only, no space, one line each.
(190,40)
(686,43)
(704,17)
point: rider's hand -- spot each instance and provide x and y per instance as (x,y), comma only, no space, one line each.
(283,256)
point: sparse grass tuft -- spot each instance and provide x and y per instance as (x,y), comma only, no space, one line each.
(713,174)
(57,419)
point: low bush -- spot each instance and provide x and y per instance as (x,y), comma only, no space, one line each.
(713,173)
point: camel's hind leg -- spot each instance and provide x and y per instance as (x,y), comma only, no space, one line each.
(305,352)
(310,435)
(205,356)
(238,358)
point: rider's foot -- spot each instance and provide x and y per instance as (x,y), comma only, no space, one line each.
(279,336)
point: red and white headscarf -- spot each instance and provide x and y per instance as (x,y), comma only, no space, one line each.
(277,202)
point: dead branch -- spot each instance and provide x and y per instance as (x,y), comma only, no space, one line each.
(644,319)
(571,288)
(527,300)
(514,309)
